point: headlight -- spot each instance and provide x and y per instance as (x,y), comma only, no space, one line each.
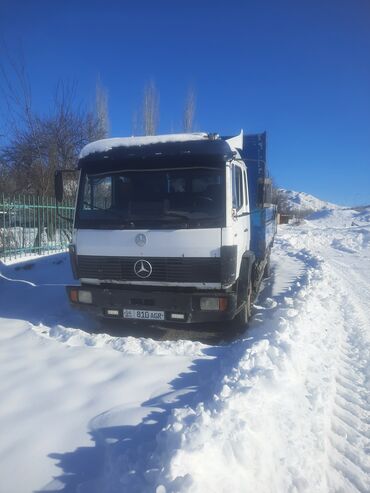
(84,296)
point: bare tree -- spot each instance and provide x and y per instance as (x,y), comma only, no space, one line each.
(102,112)
(36,144)
(5,178)
(189,111)
(15,90)
(150,110)
(280,199)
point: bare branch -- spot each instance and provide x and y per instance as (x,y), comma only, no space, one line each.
(102,113)
(38,145)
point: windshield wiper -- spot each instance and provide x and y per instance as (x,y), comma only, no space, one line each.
(181,215)
(190,216)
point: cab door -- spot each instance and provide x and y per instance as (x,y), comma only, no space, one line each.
(240,211)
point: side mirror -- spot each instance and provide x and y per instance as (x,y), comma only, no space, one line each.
(268,191)
(264,194)
(58,186)
(260,193)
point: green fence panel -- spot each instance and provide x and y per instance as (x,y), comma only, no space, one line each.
(30,225)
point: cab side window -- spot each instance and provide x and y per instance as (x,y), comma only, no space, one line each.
(245,187)
(98,193)
(238,192)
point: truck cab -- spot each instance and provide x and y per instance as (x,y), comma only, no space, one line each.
(164,227)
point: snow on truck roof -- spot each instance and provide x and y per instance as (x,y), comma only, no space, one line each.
(108,144)
(105,145)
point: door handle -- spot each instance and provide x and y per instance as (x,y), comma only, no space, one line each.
(246,229)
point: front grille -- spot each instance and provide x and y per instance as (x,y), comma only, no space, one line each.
(170,269)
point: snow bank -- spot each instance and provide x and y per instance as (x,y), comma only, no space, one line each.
(126,345)
(332,218)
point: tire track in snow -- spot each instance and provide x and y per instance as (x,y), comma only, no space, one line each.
(350,439)
(346,436)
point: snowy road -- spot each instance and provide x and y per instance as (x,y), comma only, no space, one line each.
(284,409)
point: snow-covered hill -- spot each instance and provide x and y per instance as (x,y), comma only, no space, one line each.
(286,408)
(301,202)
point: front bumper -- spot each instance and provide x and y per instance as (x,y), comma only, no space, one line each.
(170,300)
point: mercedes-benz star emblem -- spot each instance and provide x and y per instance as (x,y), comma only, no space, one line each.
(143,268)
(140,239)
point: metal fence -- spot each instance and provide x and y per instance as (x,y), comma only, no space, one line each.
(30,225)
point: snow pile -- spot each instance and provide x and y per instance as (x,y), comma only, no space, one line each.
(332,218)
(338,223)
(126,345)
(363,215)
(105,145)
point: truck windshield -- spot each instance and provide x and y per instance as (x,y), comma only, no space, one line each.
(165,198)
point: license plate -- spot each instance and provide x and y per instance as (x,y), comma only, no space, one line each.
(143,314)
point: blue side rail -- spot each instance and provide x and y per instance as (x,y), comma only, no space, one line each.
(263,229)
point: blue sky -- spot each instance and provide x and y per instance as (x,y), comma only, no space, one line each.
(298,69)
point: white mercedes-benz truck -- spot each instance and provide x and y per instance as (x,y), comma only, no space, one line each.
(171,228)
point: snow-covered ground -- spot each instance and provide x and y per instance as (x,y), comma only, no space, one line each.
(286,408)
